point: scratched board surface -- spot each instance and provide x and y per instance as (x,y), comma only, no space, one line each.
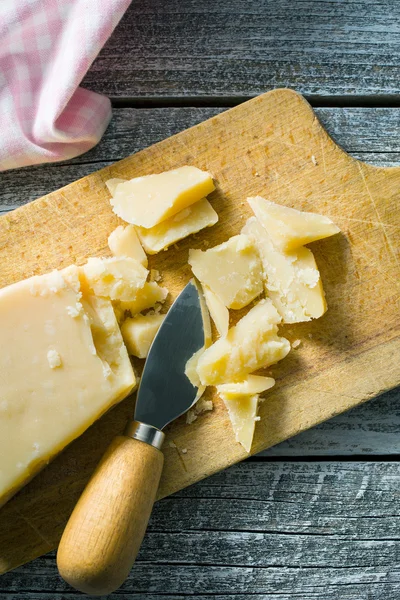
(273,146)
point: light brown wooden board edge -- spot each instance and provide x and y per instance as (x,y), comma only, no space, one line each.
(373,363)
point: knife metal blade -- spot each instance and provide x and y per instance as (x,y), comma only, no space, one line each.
(165,392)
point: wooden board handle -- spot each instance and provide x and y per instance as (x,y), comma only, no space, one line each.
(104,533)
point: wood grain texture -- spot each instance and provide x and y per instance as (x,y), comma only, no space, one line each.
(246,47)
(104,533)
(369,134)
(352,352)
(295,531)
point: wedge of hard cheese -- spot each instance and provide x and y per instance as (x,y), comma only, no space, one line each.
(232,270)
(250,345)
(289,228)
(148,200)
(190,220)
(292,279)
(62,364)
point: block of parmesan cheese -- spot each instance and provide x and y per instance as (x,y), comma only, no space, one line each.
(218,311)
(289,228)
(253,384)
(117,278)
(146,297)
(186,222)
(242,410)
(232,270)
(139,332)
(123,241)
(292,279)
(250,345)
(148,200)
(62,365)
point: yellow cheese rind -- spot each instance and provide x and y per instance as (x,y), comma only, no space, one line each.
(186,222)
(242,412)
(292,279)
(148,200)
(289,228)
(232,270)
(112,184)
(218,311)
(146,297)
(139,332)
(124,241)
(251,345)
(43,406)
(253,384)
(117,278)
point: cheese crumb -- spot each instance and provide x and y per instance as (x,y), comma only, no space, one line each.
(314,160)
(201,406)
(172,445)
(154,275)
(184,450)
(75,311)
(191,416)
(296,343)
(54,359)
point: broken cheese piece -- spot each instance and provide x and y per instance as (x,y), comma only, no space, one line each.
(139,332)
(146,297)
(124,241)
(186,222)
(292,279)
(253,384)
(242,410)
(62,365)
(218,311)
(289,228)
(117,278)
(232,270)
(148,200)
(251,345)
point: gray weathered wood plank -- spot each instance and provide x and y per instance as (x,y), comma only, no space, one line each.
(368,133)
(245,47)
(268,530)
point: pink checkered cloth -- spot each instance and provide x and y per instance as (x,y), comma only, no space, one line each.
(46,47)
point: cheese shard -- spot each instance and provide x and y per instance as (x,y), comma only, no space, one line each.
(253,384)
(242,412)
(292,279)
(232,270)
(59,372)
(124,241)
(191,365)
(148,200)
(117,278)
(289,228)
(112,184)
(139,332)
(218,311)
(251,345)
(186,222)
(146,297)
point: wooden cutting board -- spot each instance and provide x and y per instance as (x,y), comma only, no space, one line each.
(273,146)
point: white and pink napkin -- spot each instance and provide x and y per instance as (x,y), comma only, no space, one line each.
(46,47)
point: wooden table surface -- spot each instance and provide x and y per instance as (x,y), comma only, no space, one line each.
(318,516)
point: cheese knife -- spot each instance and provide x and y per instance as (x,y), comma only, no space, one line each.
(104,533)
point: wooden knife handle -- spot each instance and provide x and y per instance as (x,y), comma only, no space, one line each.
(104,533)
